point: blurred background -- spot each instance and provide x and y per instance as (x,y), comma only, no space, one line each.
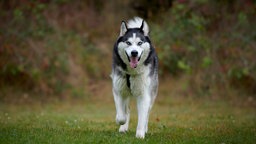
(62,49)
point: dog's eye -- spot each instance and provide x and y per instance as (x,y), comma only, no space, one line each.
(128,43)
(140,43)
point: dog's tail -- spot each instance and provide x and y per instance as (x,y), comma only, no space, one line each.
(137,22)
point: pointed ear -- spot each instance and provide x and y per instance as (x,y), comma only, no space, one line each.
(142,25)
(123,28)
(144,28)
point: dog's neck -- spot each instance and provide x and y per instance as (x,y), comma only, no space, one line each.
(141,69)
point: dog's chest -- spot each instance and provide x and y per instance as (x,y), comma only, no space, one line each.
(139,84)
(132,83)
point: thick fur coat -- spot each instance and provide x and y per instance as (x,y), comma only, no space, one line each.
(134,74)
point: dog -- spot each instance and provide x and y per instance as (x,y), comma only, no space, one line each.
(134,74)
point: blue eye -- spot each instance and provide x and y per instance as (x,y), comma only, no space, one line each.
(128,43)
(140,43)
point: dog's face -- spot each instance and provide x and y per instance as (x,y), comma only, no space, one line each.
(134,45)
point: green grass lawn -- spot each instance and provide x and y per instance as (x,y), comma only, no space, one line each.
(173,120)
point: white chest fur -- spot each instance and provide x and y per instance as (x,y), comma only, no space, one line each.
(139,82)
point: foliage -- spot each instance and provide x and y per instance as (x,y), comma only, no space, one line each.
(57,47)
(194,39)
(37,55)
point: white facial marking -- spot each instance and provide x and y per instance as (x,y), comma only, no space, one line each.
(125,49)
(134,36)
(134,47)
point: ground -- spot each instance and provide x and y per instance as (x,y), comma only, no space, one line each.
(174,119)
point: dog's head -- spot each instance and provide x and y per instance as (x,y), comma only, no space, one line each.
(134,44)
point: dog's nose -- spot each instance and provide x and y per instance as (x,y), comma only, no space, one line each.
(134,53)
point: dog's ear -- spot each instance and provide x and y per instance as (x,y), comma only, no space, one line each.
(123,28)
(144,28)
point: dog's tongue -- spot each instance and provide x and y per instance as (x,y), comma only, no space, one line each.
(133,62)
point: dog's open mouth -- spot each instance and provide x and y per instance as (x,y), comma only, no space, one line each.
(133,61)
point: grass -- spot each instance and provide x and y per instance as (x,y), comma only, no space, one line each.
(173,120)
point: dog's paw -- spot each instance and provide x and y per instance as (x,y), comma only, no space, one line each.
(140,134)
(123,128)
(120,120)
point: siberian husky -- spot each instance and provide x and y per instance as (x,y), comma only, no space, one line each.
(134,74)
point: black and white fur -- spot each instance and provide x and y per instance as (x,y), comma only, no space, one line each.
(134,74)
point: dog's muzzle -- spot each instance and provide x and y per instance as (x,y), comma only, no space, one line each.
(134,59)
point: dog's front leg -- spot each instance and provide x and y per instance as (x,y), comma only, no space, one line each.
(120,109)
(143,106)
(124,128)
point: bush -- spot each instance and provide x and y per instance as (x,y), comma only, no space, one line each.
(194,39)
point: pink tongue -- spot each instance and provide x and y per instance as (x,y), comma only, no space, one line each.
(133,62)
